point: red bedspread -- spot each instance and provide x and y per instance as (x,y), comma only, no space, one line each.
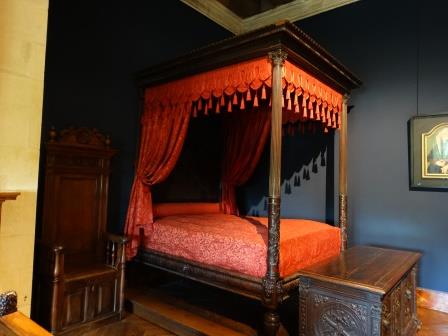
(240,244)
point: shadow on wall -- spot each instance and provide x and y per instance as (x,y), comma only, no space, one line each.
(307,179)
(196,176)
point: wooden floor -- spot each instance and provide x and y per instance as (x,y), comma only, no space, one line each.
(130,326)
(433,324)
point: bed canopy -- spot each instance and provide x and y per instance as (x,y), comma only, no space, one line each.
(266,78)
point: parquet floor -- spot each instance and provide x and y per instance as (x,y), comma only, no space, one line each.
(433,324)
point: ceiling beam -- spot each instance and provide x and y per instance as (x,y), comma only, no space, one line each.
(218,13)
(292,11)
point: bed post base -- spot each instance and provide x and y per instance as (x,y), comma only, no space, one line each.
(271,323)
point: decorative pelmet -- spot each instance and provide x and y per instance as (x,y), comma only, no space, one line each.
(248,85)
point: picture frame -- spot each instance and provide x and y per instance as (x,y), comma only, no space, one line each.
(428,152)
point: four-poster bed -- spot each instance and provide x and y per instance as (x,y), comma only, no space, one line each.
(278,72)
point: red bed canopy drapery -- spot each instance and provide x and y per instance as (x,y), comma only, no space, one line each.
(232,87)
(168,107)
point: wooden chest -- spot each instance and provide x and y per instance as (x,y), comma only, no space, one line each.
(364,291)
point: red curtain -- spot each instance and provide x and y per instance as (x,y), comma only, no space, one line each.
(163,132)
(245,136)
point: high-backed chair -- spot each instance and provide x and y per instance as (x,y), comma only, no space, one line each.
(80,269)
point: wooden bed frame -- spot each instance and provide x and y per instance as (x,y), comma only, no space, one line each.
(276,42)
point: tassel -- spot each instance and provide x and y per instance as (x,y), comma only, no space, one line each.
(206,110)
(263,92)
(223,102)
(270,102)
(195,112)
(305,115)
(297,181)
(307,175)
(317,112)
(296,99)
(287,188)
(304,174)
(217,111)
(235,99)
(325,130)
(310,105)
(311,114)
(283,101)
(248,96)
(322,159)
(297,110)
(229,107)
(200,104)
(210,103)
(289,105)
(323,115)
(339,119)
(242,105)
(256,100)
(314,166)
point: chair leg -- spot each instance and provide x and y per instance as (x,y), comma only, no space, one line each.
(271,323)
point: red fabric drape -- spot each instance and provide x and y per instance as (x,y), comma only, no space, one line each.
(245,137)
(163,132)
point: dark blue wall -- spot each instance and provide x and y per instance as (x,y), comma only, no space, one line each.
(398,48)
(93,50)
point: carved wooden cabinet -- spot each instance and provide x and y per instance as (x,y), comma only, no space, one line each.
(80,269)
(365,291)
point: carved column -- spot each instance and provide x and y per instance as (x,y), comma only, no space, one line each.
(271,284)
(343,175)
(57,288)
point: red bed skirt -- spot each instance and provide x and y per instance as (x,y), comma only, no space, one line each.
(240,244)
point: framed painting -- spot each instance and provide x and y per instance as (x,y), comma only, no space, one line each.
(428,152)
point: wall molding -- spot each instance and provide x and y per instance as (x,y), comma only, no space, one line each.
(431,299)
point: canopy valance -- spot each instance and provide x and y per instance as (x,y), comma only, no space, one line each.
(248,83)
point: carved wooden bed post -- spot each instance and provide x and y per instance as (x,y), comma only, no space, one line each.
(271,285)
(343,175)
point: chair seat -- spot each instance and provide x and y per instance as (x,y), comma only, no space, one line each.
(89,271)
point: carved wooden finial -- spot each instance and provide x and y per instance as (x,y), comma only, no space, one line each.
(53,134)
(82,136)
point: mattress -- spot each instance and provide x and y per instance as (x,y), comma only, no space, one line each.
(239,244)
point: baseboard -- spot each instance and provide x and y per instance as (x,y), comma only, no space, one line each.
(431,299)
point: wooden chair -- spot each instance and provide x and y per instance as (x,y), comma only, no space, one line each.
(80,268)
